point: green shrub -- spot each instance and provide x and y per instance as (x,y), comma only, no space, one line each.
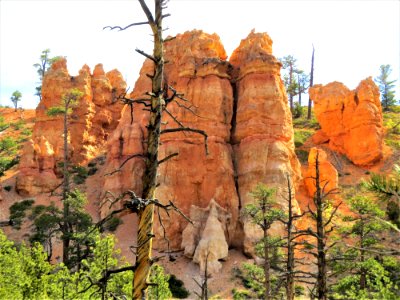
(81,174)
(302,155)
(241,294)
(18,125)
(8,188)
(27,132)
(7,144)
(300,137)
(177,288)
(298,110)
(3,126)
(7,163)
(112,224)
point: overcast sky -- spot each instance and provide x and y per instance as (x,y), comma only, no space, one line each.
(352,38)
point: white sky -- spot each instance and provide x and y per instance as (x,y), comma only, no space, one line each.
(352,38)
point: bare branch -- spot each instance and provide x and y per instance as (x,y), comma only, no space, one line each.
(146,55)
(167,158)
(202,132)
(147,13)
(123,163)
(126,27)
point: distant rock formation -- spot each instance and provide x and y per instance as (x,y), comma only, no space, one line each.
(350,120)
(243,107)
(93,119)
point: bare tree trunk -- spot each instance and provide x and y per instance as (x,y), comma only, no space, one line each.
(146,216)
(300,89)
(290,85)
(311,84)
(321,255)
(363,271)
(290,248)
(66,226)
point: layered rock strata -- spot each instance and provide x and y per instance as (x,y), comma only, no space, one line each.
(94,117)
(350,120)
(263,135)
(241,103)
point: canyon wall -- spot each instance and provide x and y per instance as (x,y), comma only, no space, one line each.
(243,107)
(91,121)
(350,120)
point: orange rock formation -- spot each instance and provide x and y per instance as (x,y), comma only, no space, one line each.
(263,136)
(261,133)
(91,122)
(327,172)
(351,120)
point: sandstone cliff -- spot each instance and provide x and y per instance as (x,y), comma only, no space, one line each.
(263,135)
(241,104)
(91,121)
(350,120)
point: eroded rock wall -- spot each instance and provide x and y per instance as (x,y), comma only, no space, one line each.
(91,121)
(261,134)
(351,120)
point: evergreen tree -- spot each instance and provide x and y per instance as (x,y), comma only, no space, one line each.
(15,98)
(363,255)
(386,87)
(41,67)
(263,213)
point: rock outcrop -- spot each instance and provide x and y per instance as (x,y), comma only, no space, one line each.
(241,103)
(263,135)
(328,175)
(206,239)
(350,120)
(196,68)
(91,121)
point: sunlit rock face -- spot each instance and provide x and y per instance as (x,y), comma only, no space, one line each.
(242,106)
(91,121)
(196,68)
(351,120)
(263,133)
(328,175)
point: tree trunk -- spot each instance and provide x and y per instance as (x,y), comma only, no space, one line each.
(146,216)
(66,226)
(321,255)
(290,87)
(267,283)
(300,89)
(363,271)
(311,84)
(290,249)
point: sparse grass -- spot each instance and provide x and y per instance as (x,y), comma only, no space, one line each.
(18,125)
(303,122)
(391,121)
(301,135)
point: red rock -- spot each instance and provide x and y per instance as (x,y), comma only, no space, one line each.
(263,137)
(91,121)
(320,137)
(351,119)
(327,172)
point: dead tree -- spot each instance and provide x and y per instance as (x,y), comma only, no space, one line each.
(290,274)
(204,285)
(322,216)
(156,103)
(311,84)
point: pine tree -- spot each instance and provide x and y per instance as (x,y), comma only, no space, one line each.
(386,87)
